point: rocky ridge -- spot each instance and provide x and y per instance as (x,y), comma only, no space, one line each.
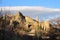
(21,25)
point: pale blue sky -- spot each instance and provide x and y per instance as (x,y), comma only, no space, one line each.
(45,3)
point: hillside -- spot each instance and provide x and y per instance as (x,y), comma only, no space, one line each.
(17,26)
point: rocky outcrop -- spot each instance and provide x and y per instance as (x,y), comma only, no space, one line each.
(18,22)
(24,25)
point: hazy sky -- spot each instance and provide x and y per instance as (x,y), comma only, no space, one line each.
(45,9)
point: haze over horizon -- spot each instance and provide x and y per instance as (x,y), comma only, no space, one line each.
(42,12)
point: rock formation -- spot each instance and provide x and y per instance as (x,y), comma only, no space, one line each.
(13,27)
(23,25)
(19,22)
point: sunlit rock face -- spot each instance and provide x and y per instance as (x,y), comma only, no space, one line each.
(18,22)
(10,22)
(21,24)
(19,18)
(45,25)
(31,24)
